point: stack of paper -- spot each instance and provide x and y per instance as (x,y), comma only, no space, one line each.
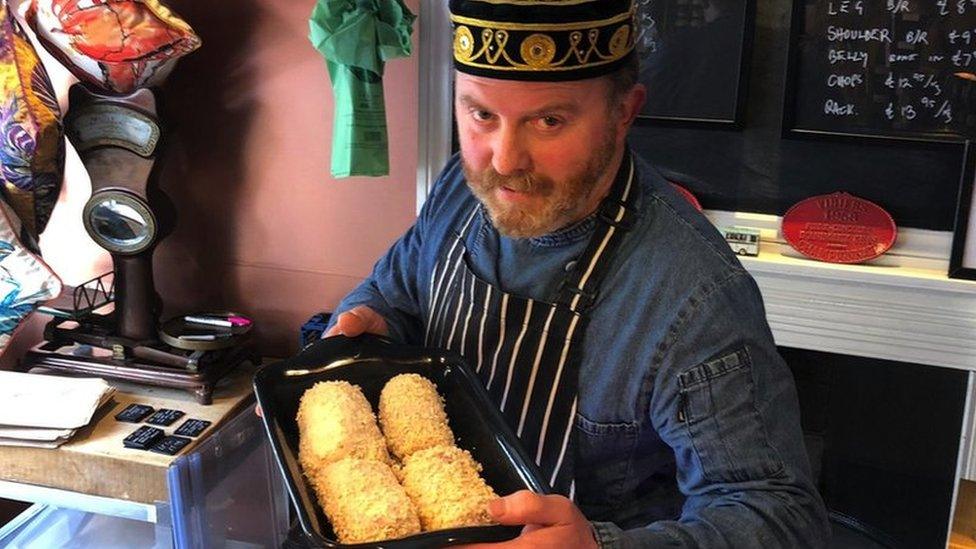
(44,411)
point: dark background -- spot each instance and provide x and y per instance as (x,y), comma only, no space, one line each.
(756,169)
(883,439)
(691,54)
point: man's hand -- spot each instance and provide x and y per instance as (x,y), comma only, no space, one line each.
(358,320)
(550,521)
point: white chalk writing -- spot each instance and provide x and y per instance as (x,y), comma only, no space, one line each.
(900,65)
(898,6)
(845,80)
(837,34)
(845,6)
(853,56)
(834,108)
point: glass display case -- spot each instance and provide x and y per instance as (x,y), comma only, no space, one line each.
(224,491)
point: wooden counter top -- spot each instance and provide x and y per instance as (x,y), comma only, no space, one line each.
(95,462)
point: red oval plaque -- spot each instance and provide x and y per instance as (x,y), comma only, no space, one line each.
(839,228)
(687,194)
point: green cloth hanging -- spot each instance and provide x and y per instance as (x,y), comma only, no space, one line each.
(357,37)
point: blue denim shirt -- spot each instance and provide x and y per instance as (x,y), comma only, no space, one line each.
(688,422)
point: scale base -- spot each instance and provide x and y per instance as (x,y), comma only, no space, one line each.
(79,358)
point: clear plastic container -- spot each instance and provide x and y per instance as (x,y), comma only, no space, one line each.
(227,492)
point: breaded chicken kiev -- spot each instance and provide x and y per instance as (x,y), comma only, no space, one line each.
(335,421)
(364,501)
(446,489)
(412,415)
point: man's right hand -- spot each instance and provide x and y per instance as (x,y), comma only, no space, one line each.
(358,320)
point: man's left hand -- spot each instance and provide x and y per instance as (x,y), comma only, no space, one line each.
(550,521)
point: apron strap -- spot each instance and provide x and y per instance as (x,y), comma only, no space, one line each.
(614,217)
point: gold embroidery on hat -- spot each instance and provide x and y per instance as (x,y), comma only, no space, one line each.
(463,43)
(501,38)
(581,54)
(538,50)
(574,40)
(620,41)
(486,46)
(541,27)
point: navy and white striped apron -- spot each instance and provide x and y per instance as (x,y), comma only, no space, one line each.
(526,351)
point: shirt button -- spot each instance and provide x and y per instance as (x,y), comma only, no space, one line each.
(570,266)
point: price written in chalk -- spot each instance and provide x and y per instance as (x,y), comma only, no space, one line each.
(959,7)
(896,68)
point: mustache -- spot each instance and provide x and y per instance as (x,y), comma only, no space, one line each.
(489,179)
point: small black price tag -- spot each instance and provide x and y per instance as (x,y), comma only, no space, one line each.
(142,438)
(170,445)
(134,413)
(165,417)
(192,427)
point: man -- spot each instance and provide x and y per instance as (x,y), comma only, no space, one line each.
(618,334)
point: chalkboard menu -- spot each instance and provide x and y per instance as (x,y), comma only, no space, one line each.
(753,169)
(903,69)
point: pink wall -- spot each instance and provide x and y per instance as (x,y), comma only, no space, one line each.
(262,226)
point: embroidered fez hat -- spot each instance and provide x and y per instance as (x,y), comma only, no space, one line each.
(542,39)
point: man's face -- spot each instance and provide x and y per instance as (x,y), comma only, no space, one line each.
(538,155)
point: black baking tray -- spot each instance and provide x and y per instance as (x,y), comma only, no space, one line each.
(369,362)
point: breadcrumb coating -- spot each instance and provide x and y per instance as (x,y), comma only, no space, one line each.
(364,501)
(366,495)
(412,415)
(446,489)
(335,421)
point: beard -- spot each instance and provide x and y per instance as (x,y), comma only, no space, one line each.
(555,204)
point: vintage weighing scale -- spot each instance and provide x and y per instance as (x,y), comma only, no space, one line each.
(116,138)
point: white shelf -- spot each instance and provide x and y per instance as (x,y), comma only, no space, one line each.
(901,307)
